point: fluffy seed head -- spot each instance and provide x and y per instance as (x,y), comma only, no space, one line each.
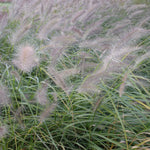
(4,99)
(41,95)
(44,115)
(26,59)
(3,131)
(122,86)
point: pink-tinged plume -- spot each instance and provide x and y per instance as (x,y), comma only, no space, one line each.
(3,131)
(4,98)
(26,59)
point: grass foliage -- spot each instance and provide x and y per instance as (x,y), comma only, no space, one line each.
(75,75)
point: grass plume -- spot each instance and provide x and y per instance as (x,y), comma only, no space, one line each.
(4,96)
(26,58)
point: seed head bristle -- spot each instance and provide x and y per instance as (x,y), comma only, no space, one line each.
(26,59)
(4,98)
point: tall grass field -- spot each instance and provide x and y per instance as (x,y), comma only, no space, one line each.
(75,75)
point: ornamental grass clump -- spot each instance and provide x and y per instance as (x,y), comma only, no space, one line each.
(76,73)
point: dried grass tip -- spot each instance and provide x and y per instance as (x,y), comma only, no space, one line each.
(26,58)
(4,98)
(3,131)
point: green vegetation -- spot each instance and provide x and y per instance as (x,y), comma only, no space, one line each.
(72,93)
